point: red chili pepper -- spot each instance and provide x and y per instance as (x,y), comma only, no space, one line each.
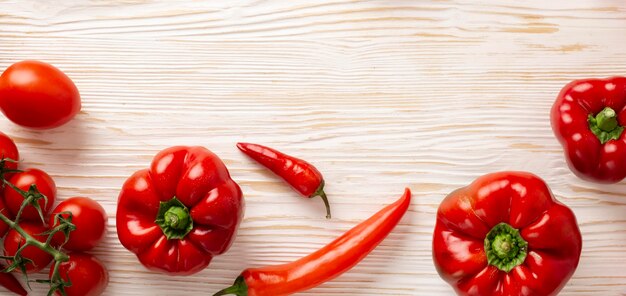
(588,118)
(180,213)
(505,234)
(301,175)
(326,263)
(9,281)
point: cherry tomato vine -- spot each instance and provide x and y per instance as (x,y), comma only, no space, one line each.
(64,224)
(35,236)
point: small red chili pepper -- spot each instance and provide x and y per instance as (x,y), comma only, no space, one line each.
(9,281)
(326,263)
(301,175)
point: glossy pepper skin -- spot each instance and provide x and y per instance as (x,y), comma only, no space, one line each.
(301,175)
(588,119)
(505,235)
(8,281)
(324,264)
(180,213)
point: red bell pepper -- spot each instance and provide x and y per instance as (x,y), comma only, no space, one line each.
(324,264)
(588,119)
(298,173)
(180,213)
(505,234)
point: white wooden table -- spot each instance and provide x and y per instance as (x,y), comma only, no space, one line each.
(378,94)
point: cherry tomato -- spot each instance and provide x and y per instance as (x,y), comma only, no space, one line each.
(38,95)
(90,220)
(23,181)
(7,150)
(13,241)
(87,274)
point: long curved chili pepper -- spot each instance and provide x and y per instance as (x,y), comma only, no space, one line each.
(9,281)
(301,175)
(326,263)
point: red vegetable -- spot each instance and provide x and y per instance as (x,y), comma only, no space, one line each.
(8,156)
(86,273)
(89,218)
(325,264)
(180,213)
(301,175)
(588,119)
(38,95)
(505,234)
(8,164)
(13,241)
(24,182)
(9,281)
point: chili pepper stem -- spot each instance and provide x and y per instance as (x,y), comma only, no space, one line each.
(320,192)
(238,288)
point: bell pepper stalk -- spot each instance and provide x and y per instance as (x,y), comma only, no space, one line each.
(588,119)
(181,212)
(64,224)
(299,174)
(324,264)
(505,234)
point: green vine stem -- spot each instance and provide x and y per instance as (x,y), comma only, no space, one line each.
(56,282)
(4,170)
(31,197)
(65,226)
(31,241)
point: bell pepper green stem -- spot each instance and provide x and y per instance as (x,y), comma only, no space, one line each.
(505,247)
(605,125)
(177,217)
(174,219)
(607,119)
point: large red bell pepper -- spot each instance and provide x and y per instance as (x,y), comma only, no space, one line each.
(506,235)
(588,119)
(181,212)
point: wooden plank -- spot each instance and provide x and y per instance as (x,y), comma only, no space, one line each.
(378,94)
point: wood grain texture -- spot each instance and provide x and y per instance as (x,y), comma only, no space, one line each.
(379,95)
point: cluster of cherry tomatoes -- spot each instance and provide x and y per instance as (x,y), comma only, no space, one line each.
(87,274)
